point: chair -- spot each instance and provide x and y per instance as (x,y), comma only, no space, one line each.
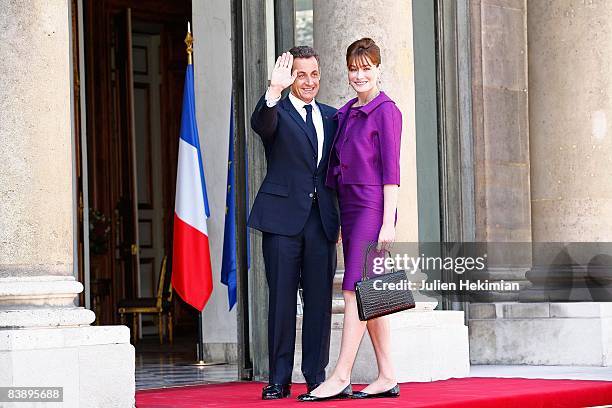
(160,305)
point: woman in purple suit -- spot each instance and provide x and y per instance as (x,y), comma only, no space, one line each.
(364,168)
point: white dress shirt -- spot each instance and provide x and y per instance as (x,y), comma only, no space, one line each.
(317,118)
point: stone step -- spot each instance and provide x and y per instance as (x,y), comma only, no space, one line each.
(338,299)
(338,277)
(425,346)
(542,333)
(337,306)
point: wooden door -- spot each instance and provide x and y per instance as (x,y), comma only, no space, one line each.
(116,93)
(146,40)
(127,245)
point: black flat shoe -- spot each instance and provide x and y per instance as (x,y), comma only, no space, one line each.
(275,391)
(311,386)
(392,393)
(344,394)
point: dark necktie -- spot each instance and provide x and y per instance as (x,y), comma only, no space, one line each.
(309,123)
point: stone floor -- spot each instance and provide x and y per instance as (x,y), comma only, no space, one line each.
(171,372)
(160,366)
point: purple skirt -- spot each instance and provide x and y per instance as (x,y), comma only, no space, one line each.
(361,216)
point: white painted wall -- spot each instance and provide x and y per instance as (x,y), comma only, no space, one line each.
(211,25)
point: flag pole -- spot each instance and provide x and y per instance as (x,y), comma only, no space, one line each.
(189,42)
(200,362)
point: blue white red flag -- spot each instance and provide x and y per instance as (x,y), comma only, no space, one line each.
(191,267)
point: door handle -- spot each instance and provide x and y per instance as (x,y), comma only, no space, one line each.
(134,249)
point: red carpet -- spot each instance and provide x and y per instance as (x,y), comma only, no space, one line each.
(456,393)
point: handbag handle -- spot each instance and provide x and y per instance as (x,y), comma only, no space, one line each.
(364,272)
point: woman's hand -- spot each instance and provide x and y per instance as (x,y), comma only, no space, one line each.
(282,77)
(386,236)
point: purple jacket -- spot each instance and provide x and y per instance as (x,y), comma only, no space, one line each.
(371,153)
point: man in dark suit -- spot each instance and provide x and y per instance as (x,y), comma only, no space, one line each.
(297,216)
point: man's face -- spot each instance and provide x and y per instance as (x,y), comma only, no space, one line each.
(306,84)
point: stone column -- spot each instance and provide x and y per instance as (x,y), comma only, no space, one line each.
(571,193)
(45,340)
(37,284)
(501,139)
(390,26)
(570,107)
(337,23)
(570,110)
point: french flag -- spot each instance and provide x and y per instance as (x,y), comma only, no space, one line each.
(191,268)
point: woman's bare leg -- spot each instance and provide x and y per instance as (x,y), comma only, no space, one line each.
(352,333)
(380,334)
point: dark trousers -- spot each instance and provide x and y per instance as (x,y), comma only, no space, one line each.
(307,259)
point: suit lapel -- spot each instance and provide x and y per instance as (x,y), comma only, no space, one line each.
(288,106)
(329,136)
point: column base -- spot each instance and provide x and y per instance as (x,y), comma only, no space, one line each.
(93,364)
(541,333)
(426,345)
(221,352)
(47,317)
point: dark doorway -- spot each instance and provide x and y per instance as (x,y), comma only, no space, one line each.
(135,64)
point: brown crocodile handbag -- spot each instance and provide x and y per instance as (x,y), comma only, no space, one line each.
(375,298)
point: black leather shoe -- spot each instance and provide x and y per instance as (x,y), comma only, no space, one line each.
(344,394)
(311,386)
(276,391)
(392,393)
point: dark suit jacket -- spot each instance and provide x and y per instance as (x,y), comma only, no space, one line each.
(283,202)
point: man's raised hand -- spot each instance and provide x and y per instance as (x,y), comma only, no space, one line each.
(282,77)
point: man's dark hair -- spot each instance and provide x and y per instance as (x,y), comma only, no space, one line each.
(304,51)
